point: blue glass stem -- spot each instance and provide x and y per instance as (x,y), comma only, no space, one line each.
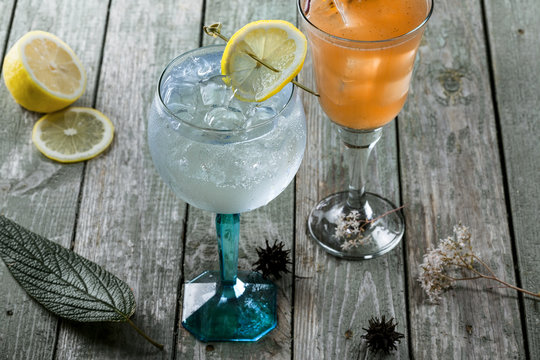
(229,305)
(228,234)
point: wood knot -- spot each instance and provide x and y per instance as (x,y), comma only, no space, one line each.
(453,86)
(451,80)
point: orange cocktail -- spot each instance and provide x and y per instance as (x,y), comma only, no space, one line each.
(363,55)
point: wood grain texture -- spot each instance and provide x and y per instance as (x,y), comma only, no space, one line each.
(129,221)
(6,10)
(272,222)
(515,53)
(333,296)
(36,192)
(450,173)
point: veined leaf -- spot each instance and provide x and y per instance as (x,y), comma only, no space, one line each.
(65,283)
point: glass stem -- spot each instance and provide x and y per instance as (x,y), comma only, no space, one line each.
(228,234)
(358,146)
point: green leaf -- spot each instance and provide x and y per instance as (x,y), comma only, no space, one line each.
(65,283)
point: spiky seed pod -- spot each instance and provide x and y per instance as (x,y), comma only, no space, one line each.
(382,335)
(272,260)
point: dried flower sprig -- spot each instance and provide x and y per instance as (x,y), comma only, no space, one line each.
(351,227)
(273,260)
(441,265)
(382,335)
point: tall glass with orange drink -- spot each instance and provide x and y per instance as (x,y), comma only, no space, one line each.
(363,54)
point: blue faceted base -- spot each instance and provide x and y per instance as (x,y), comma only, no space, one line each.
(245,311)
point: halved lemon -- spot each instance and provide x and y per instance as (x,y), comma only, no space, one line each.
(74,134)
(277,43)
(42,73)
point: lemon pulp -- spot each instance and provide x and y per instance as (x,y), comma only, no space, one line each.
(72,135)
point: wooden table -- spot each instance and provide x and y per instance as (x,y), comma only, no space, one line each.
(465,148)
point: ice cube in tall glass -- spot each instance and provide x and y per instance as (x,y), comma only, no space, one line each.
(364,84)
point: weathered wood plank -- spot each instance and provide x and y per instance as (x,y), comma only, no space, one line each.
(513,30)
(36,192)
(129,220)
(450,173)
(274,221)
(6,10)
(335,296)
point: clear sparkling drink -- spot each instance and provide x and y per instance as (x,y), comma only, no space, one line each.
(216,152)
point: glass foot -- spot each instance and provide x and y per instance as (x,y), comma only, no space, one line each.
(344,232)
(245,311)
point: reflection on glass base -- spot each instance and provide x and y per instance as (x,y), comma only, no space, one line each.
(344,232)
(245,311)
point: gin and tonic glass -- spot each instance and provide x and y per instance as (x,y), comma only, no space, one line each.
(225,156)
(363,85)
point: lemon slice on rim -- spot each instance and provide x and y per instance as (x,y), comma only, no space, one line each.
(277,43)
(73,134)
(42,73)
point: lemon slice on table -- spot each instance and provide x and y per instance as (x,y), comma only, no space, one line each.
(277,43)
(73,134)
(42,73)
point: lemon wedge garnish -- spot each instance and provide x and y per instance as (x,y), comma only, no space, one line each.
(277,43)
(42,73)
(73,134)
